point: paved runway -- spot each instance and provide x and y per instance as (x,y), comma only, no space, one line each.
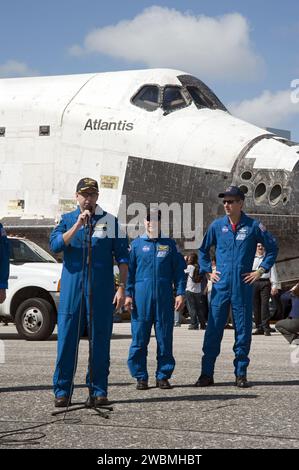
(223,416)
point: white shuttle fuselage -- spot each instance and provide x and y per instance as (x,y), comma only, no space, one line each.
(56,130)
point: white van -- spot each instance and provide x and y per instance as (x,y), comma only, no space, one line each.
(33,290)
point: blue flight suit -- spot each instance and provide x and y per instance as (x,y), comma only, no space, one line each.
(155,267)
(235,253)
(4,259)
(107,241)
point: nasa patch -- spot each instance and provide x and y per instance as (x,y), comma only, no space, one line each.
(100,231)
(225,229)
(241,236)
(163,247)
(146,248)
(101,226)
(162,251)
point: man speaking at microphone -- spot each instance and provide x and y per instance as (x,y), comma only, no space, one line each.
(71,236)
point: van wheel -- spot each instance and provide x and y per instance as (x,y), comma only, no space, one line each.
(35,319)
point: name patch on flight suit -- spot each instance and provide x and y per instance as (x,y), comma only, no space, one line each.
(242,233)
(100,230)
(162,251)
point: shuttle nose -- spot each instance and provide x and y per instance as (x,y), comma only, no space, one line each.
(267,170)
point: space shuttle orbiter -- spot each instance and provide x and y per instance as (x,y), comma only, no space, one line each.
(154,135)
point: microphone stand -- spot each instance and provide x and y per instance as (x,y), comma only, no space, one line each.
(90,402)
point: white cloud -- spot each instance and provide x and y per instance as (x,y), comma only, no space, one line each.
(162,37)
(268,109)
(13,68)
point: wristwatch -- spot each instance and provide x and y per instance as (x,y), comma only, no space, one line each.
(121,284)
(261,271)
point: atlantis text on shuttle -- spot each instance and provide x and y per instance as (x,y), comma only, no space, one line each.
(100,125)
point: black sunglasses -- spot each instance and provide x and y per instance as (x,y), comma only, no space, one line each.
(229,201)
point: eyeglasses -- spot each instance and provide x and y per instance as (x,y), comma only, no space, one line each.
(229,201)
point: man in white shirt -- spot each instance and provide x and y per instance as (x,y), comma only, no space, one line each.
(265,286)
(196,298)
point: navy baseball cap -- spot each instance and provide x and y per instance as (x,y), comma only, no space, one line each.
(233,191)
(87,184)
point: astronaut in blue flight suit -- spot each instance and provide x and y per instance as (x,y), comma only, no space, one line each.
(155,267)
(4,264)
(234,237)
(71,236)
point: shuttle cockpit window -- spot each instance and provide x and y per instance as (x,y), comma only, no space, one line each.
(147,97)
(173,98)
(199,99)
(201,94)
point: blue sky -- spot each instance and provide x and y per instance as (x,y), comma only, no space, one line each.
(246,51)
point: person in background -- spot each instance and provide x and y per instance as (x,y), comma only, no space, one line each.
(289,327)
(210,284)
(286,303)
(263,288)
(196,298)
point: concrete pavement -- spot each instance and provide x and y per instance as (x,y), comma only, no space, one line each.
(223,416)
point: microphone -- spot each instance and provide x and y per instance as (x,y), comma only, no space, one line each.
(87,220)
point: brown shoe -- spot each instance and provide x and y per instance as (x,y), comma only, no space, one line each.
(94,402)
(62,402)
(142,385)
(241,381)
(101,401)
(204,381)
(163,384)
